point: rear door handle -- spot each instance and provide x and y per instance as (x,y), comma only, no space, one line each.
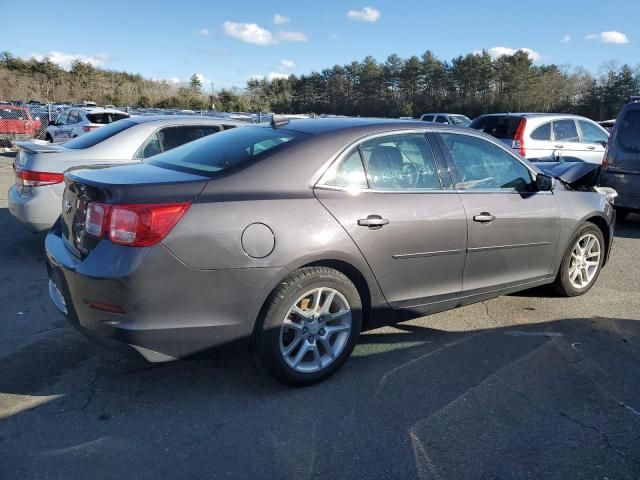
(558,146)
(484,217)
(591,147)
(374,222)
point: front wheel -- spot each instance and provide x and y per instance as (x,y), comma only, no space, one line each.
(582,262)
(310,326)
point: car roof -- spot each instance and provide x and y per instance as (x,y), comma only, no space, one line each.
(101,110)
(317,126)
(442,113)
(532,114)
(185,119)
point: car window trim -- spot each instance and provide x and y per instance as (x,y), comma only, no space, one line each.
(457,178)
(318,177)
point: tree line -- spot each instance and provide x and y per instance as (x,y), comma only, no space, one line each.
(472,84)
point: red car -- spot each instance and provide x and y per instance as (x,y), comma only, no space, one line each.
(17,123)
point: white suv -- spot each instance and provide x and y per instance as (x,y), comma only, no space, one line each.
(547,137)
(77,121)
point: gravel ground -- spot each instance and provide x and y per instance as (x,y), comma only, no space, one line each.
(523,386)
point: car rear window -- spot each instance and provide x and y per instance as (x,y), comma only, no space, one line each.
(101,134)
(499,126)
(628,134)
(13,113)
(103,118)
(227,149)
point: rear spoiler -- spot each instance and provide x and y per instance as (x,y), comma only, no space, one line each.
(33,147)
(573,174)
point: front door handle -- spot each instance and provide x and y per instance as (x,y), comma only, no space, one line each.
(484,217)
(374,222)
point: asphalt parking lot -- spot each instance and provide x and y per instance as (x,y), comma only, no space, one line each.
(523,386)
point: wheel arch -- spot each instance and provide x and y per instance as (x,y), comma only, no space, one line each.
(603,226)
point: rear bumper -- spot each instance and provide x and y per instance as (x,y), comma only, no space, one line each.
(170,310)
(39,209)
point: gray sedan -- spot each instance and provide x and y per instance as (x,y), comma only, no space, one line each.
(288,240)
(36,197)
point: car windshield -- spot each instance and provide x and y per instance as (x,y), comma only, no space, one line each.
(224,150)
(460,120)
(629,131)
(100,135)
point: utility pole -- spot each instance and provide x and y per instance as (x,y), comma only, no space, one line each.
(213,106)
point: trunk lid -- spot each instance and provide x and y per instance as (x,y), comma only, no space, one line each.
(140,183)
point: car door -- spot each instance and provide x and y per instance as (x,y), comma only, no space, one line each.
(566,140)
(513,230)
(593,140)
(396,202)
(56,130)
(539,145)
(74,120)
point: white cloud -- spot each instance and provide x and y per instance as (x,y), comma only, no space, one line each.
(292,36)
(276,75)
(367,14)
(203,80)
(286,65)
(249,33)
(204,32)
(497,52)
(66,59)
(609,37)
(566,39)
(280,19)
(255,34)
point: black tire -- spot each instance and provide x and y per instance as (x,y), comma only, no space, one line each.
(48,138)
(562,284)
(267,351)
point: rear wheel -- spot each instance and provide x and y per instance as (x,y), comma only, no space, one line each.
(310,326)
(582,262)
(48,138)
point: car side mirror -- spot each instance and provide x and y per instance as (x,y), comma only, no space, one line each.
(52,123)
(544,183)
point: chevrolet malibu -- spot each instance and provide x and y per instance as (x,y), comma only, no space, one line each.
(287,240)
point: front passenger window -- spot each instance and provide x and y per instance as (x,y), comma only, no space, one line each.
(483,165)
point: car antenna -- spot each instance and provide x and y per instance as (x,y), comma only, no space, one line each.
(278,121)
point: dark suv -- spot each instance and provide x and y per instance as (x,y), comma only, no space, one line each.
(621,164)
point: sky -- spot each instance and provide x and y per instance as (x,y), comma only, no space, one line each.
(228,42)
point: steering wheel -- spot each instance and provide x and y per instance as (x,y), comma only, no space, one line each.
(411,174)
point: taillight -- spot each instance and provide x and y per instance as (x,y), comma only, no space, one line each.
(88,128)
(31,178)
(134,225)
(518,139)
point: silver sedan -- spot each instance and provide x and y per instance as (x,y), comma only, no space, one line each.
(36,197)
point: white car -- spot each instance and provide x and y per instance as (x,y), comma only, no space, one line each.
(75,122)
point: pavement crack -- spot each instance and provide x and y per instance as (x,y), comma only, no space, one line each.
(91,386)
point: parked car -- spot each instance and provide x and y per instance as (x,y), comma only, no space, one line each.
(447,118)
(547,137)
(17,122)
(35,198)
(621,165)
(288,239)
(78,121)
(607,124)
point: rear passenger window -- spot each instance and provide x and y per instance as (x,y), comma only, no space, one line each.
(441,119)
(543,132)
(483,165)
(565,131)
(400,162)
(348,173)
(427,118)
(149,149)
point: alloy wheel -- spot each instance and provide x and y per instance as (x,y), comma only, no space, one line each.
(585,261)
(315,330)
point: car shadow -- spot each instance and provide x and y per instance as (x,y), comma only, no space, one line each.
(629,227)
